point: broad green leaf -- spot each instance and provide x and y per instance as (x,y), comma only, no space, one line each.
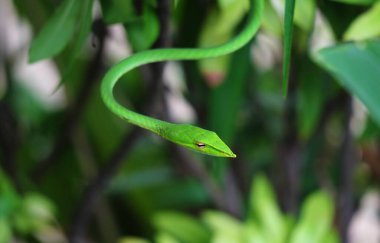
(332,237)
(85,21)
(162,237)
(143,32)
(56,33)
(264,208)
(357,68)
(5,231)
(225,229)
(118,11)
(288,36)
(304,14)
(271,20)
(313,91)
(218,28)
(182,227)
(252,233)
(233,88)
(316,219)
(365,26)
(132,240)
(35,213)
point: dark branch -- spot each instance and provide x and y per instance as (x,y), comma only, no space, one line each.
(153,73)
(93,192)
(348,162)
(76,109)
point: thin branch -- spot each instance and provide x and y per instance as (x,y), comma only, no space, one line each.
(348,162)
(76,109)
(197,170)
(95,189)
(93,192)
(9,143)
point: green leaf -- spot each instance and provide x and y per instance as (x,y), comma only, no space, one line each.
(264,208)
(313,91)
(271,21)
(143,32)
(118,11)
(225,229)
(132,240)
(365,26)
(304,14)
(182,227)
(218,28)
(252,233)
(56,33)
(85,21)
(5,231)
(357,68)
(316,219)
(162,237)
(288,26)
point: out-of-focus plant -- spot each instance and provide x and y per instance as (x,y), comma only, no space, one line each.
(264,222)
(28,215)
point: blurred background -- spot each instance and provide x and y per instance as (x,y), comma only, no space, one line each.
(307,166)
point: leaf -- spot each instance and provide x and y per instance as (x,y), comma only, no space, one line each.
(162,237)
(143,32)
(218,28)
(118,11)
(316,219)
(56,33)
(5,231)
(288,26)
(304,14)
(133,240)
(313,92)
(365,26)
(357,68)
(225,229)
(182,227)
(85,21)
(264,208)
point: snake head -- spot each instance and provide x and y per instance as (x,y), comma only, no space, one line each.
(198,139)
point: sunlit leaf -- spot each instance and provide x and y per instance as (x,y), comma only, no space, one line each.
(225,228)
(365,26)
(56,33)
(357,68)
(133,240)
(218,28)
(5,231)
(163,237)
(182,227)
(264,208)
(315,221)
(304,14)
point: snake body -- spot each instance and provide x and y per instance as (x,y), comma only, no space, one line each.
(186,135)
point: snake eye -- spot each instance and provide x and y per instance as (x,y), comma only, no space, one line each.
(201,145)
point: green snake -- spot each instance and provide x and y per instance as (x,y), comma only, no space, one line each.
(189,136)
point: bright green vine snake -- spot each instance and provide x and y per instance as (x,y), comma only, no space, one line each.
(186,135)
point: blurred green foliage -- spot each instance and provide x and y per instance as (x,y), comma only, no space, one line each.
(265,223)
